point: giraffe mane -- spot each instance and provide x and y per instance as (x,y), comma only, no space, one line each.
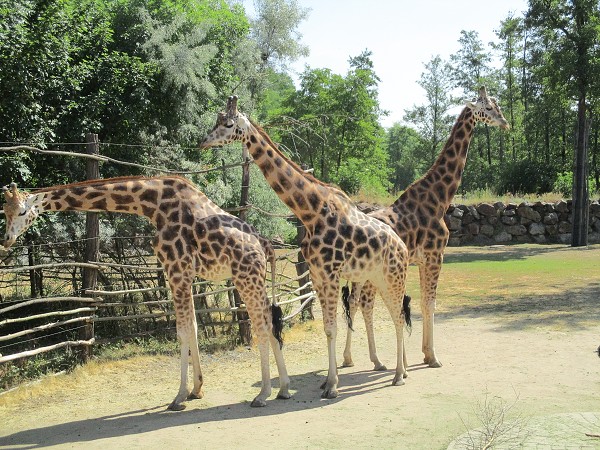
(112,180)
(298,169)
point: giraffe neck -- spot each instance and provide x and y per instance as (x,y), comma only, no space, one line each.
(444,176)
(303,194)
(156,198)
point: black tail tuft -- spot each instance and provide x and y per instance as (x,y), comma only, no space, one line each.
(598,351)
(346,305)
(406,310)
(277,323)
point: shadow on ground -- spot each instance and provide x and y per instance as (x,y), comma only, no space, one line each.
(572,308)
(140,421)
(504,252)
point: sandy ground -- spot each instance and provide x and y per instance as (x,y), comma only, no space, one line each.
(543,371)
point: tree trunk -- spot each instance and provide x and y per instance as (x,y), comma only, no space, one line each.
(580,177)
(242,316)
(92,245)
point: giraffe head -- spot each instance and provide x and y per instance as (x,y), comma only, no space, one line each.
(20,210)
(486,110)
(231,126)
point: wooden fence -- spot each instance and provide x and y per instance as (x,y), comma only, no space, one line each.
(50,301)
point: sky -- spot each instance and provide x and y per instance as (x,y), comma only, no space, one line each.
(402,36)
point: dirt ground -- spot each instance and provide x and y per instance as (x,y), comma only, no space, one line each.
(544,371)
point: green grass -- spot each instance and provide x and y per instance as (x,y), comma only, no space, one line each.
(549,286)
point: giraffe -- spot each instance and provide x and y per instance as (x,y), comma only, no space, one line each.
(417,216)
(340,242)
(194,237)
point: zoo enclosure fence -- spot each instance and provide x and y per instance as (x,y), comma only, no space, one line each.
(50,301)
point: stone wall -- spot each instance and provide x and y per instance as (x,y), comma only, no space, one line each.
(511,223)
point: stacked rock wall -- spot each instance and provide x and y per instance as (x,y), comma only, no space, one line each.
(500,223)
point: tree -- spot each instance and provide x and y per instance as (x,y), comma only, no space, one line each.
(470,70)
(337,130)
(275,31)
(402,144)
(510,48)
(432,120)
(573,28)
(275,35)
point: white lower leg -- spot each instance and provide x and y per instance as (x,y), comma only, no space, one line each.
(265,391)
(284,379)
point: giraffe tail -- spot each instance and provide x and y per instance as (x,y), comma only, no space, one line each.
(346,305)
(277,314)
(406,311)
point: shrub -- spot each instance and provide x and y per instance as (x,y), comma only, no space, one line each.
(526,177)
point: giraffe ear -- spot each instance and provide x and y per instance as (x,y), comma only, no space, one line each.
(471,104)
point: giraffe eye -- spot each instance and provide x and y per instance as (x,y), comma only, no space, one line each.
(22,213)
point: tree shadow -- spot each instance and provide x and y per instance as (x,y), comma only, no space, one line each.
(571,308)
(140,421)
(502,253)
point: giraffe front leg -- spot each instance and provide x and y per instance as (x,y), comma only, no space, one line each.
(331,383)
(195,353)
(187,332)
(327,290)
(177,403)
(429,276)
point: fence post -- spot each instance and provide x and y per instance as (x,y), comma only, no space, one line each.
(92,231)
(242,316)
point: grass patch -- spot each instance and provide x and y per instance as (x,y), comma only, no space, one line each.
(548,286)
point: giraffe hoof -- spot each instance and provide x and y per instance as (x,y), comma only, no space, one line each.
(329,393)
(284,396)
(176,407)
(434,363)
(398,381)
(197,396)
(349,363)
(258,403)
(379,367)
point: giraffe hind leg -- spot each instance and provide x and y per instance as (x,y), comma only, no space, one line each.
(277,345)
(367,302)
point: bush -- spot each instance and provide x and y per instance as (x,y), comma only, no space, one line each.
(526,177)
(564,184)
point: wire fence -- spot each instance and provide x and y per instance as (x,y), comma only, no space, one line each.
(46,306)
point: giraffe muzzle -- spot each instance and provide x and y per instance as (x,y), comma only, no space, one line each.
(8,241)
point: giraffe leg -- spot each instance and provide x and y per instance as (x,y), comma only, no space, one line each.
(429,274)
(250,284)
(265,390)
(352,307)
(183,336)
(284,379)
(195,353)
(393,302)
(187,332)
(327,292)
(367,302)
